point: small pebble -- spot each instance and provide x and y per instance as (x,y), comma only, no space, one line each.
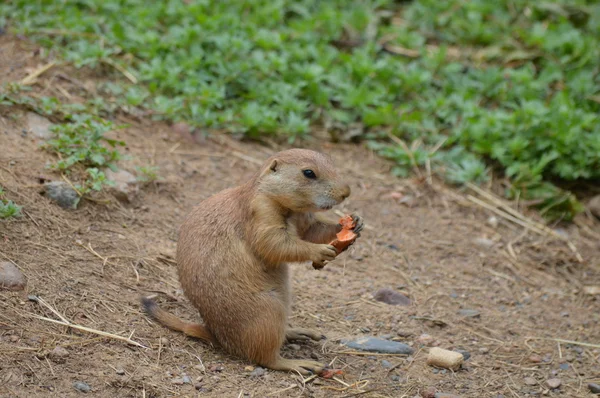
(258,372)
(469,313)
(59,352)
(484,350)
(395,378)
(81,386)
(428,392)
(391,297)
(466,354)
(374,344)
(120,372)
(493,222)
(63,194)
(178,381)
(594,388)
(425,339)
(445,395)
(187,379)
(553,383)
(11,278)
(294,347)
(386,364)
(164,341)
(483,242)
(530,381)
(535,358)
(564,366)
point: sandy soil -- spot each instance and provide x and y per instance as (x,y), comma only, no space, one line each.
(425,240)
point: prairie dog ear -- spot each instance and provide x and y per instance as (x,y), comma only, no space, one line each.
(274,165)
(273,168)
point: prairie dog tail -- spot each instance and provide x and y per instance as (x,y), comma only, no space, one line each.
(174,323)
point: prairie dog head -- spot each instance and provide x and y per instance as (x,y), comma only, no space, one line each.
(302,180)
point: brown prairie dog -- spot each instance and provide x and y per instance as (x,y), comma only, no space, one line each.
(233,251)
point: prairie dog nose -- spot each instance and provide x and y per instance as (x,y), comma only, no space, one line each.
(345,191)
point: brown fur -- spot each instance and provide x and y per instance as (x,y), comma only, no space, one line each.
(233,251)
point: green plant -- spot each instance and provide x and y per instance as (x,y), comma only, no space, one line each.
(8,208)
(147,174)
(502,83)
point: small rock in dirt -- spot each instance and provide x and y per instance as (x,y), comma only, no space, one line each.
(63,194)
(594,206)
(39,125)
(249,368)
(445,395)
(553,383)
(446,359)
(483,242)
(386,364)
(373,344)
(466,354)
(467,313)
(120,372)
(390,296)
(164,341)
(258,372)
(294,347)
(429,392)
(187,379)
(404,333)
(484,350)
(530,381)
(126,185)
(594,388)
(395,378)
(564,366)
(58,354)
(177,381)
(216,368)
(493,222)
(81,386)
(592,290)
(425,339)
(535,358)
(11,278)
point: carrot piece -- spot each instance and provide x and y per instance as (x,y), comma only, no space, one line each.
(344,238)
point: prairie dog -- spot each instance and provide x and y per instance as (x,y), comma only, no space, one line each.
(233,250)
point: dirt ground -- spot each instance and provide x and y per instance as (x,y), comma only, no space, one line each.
(426,240)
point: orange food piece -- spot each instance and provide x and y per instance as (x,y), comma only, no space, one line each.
(346,236)
(330,373)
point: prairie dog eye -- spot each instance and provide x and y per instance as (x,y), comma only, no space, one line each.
(309,174)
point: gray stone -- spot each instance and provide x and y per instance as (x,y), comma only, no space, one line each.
(484,243)
(258,372)
(530,381)
(58,354)
(594,206)
(469,313)
(594,388)
(553,383)
(120,372)
(390,296)
(11,278)
(445,395)
(125,187)
(39,125)
(386,364)
(63,194)
(466,354)
(81,386)
(564,366)
(373,344)
(294,347)
(187,379)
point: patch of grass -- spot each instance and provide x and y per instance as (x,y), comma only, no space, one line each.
(8,209)
(509,85)
(147,174)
